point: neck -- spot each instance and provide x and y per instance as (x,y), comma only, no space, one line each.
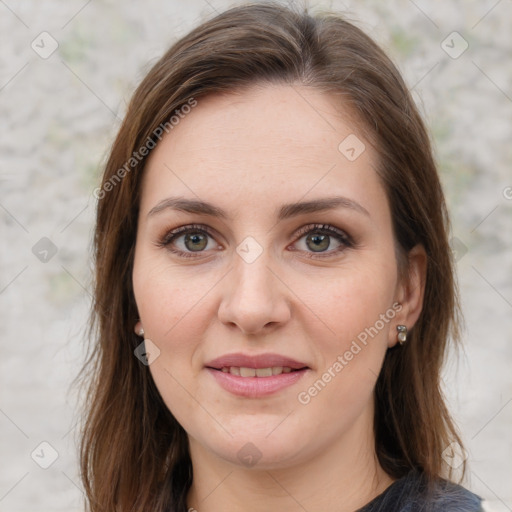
(343,477)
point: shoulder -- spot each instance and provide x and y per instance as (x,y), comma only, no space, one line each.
(412,494)
(455,498)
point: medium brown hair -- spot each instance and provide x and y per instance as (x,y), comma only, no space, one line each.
(134,454)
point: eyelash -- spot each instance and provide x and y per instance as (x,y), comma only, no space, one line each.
(345,240)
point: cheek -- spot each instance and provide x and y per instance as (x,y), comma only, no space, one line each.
(171,305)
(166,294)
(354,302)
(358,307)
(175,308)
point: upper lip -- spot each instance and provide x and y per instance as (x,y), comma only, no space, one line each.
(254,361)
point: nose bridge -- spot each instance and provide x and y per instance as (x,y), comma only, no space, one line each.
(252,278)
(254,297)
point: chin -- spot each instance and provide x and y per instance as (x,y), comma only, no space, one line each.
(261,450)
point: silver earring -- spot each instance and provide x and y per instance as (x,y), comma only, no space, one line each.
(402,334)
(141,332)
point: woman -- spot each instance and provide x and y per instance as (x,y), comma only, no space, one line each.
(274,287)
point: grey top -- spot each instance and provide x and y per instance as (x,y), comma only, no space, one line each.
(409,494)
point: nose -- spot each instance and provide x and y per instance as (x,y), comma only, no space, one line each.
(254,298)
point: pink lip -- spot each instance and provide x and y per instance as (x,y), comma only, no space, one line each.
(254,387)
(255,361)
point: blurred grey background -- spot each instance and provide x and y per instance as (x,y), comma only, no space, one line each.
(67,70)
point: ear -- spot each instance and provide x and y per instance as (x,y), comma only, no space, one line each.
(138,329)
(410,291)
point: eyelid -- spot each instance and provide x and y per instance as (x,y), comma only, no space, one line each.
(174,233)
(166,240)
(329,229)
(346,241)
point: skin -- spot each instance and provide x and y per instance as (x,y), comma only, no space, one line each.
(249,153)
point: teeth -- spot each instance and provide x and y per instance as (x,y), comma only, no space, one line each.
(247,372)
(263,372)
(256,372)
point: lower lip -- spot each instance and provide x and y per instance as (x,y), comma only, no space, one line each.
(255,387)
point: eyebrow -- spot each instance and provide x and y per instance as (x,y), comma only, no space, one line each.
(286,211)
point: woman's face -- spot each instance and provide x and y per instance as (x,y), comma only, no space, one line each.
(272,319)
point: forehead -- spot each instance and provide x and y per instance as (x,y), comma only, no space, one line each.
(260,146)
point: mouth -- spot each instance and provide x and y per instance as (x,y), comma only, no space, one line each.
(243,371)
(255,376)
